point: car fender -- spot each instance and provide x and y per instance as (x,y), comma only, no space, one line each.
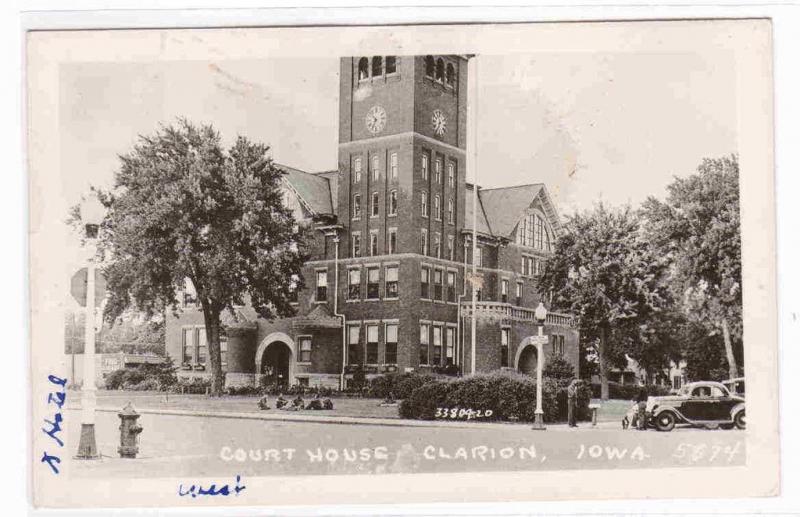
(667,409)
(736,409)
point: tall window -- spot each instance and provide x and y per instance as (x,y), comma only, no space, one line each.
(440,70)
(354,284)
(202,345)
(424,342)
(354,355)
(532,231)
(377,66)
(429,66)
(451,286)
(373,243)
(375,204)
(450,77)
(391,64)
(393,165)
(479,256)
(188,346)
(390,356)
(223,351)
(557,342)
(372,344)
(363,68)
(425,279)
(392,240)
(425,161)
(423,242)
(504,338)
(451,216)
(438,284)
(391,290)
(305,349)
(373,283)
(322,286)
(424,203)
(437,245)
(504,291)
(393,202)
(519,294)
(356,244)
(376,167)
(438,171)
(451,175)
(451,248)
(356,206)
(437,208)
(357,170)
(450,345)
(437,345)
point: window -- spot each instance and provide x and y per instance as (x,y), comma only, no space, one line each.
(393,202)
(437,345)
(372,344)
(451,286)
(375,204)
(423,242)
(390,353)
(479,259)
(504,291)
(440,70)
(363,68)
(377,66)
(450,344)
(223,350)
(391,64)
(357,170)
(322,285)
(451,175)
(524,267)
(437,208)
(391,289)
(451,216)
(424,333)
(202,345)
(424,205)
(356,206)
(504,338)
(438,171)
(373,243)
(373,283)
(557,344)
(676,382)
(305,349)
(356,244)
(429,66)
(451,248)
(425,278)
(354,355)
(532,231)
(188,346)
(393,165)
(376,168)
(354,284)
(438,284)
(293,288)
(425,161)
(519,294)
(450,77)
(437,245)
(392,240)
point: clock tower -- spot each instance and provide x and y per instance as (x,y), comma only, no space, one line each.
(402,155)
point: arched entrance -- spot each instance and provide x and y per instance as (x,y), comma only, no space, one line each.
(275,359)
(527,358)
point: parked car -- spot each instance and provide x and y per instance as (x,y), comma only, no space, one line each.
(701,404)
(735,386)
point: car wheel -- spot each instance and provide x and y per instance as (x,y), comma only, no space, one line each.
(665,421)
(740,420)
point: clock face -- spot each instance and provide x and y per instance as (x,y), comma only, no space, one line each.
(439,122)
(375,119)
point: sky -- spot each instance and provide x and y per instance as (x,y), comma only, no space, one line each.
(615,127)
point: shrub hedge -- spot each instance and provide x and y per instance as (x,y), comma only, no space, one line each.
(629,391)
(399,385)
(510,396)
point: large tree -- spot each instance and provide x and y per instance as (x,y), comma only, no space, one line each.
(698,228)
(606,273)
(184,207)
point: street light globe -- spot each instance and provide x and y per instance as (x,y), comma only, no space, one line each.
(92,213)
(540,313)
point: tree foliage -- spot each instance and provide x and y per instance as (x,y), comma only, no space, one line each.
(184,207)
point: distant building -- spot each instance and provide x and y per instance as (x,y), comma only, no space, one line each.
(386,288)
(105,364)
(673,377)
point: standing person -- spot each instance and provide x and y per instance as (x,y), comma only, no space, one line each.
(572,401)
(641,402)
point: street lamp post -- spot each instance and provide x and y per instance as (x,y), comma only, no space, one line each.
(91,215)
(540,314)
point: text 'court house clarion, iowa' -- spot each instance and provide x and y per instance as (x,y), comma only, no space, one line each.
(391,250)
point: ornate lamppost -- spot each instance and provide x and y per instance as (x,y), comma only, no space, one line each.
(540,315)
(92,212)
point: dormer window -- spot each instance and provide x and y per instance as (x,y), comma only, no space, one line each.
(534,232)
(391,64)
(429,66)
(377,66)
(363,69)
(450,77)
(440,70)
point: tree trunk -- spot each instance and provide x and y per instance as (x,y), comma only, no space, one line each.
(601,357)
(733,371)
(212,322)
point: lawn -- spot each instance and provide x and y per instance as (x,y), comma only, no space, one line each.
(612,410)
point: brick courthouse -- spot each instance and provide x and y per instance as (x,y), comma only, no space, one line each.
(385,284)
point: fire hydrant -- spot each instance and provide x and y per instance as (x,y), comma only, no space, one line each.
(129,431)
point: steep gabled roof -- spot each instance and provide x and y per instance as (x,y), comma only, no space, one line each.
(505,206)
(482,223)
(314,190)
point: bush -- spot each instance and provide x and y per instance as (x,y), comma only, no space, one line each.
(243,390)
(148,384)
(129,378)
(629,391)
(425,399)
(400,385)
(558,368)
(196,385)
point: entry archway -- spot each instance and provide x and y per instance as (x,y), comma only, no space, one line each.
(275,358)
(527,358)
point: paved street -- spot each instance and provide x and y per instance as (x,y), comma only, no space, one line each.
(177,445)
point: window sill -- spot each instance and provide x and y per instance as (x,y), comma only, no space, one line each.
(372,299)
(353,301)
(303,363)
(392,215)
(319,302)
(391,299)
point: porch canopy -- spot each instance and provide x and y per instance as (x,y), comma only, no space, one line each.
(320,317)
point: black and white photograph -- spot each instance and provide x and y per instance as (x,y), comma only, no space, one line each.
(281,265)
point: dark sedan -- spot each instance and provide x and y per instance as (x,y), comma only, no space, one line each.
(700,404)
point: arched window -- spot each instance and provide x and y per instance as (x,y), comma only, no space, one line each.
(451,75)
(363,68)
(440,70)
(377,66)
(391,64)
(534,232)
(429,66)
